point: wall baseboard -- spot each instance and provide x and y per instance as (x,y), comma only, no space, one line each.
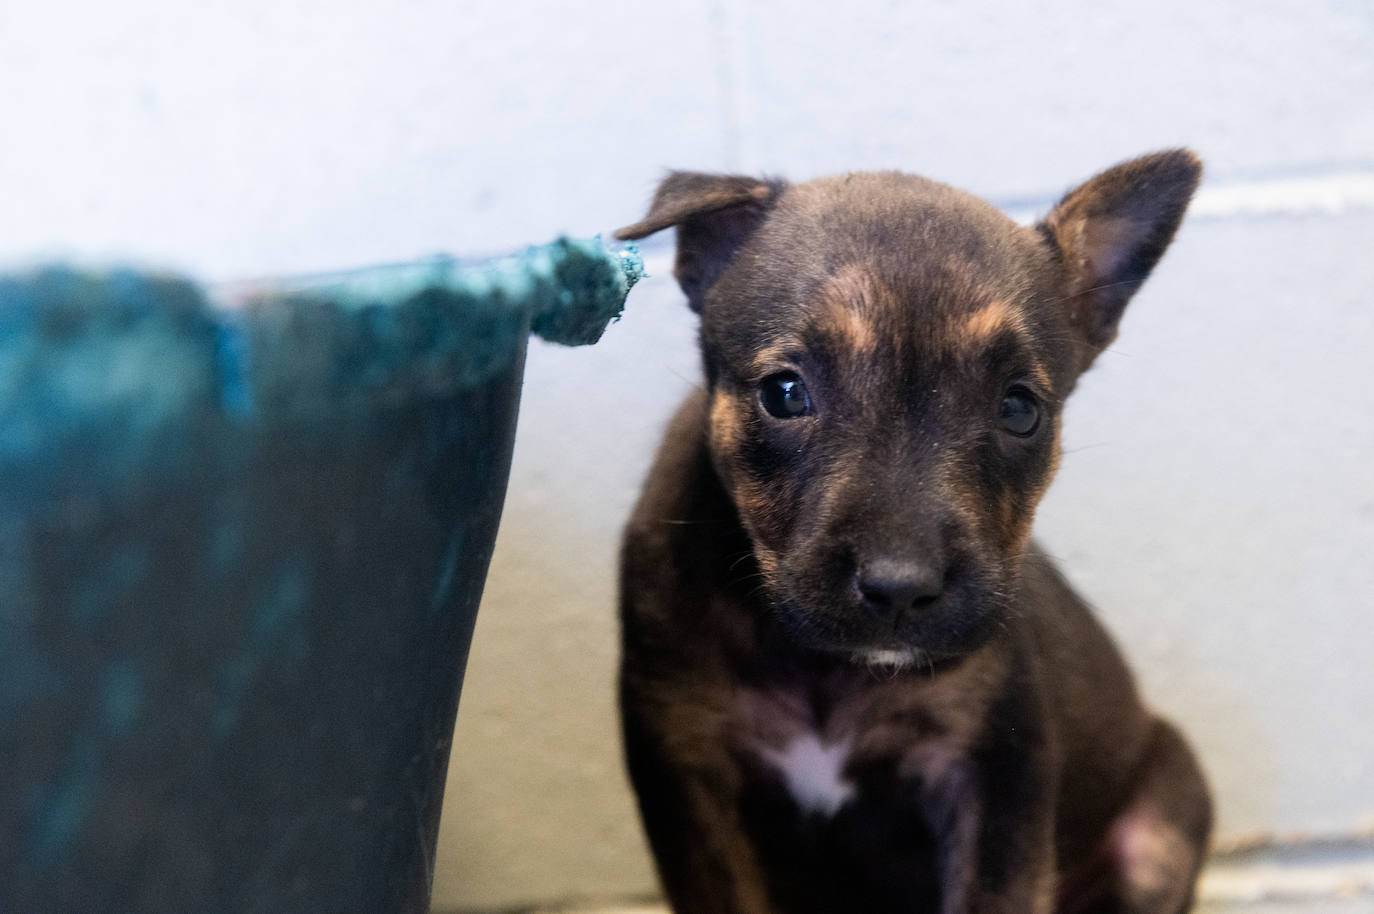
(1294,872)
(1291,874)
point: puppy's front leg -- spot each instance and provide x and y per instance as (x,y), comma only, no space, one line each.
(988,871)
(995,830)
(689,808)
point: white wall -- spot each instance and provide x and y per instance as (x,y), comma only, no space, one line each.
(1218,498)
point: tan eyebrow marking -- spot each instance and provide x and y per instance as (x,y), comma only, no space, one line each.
(726,428)
(993,318)
(1041,377)
(988,320)
(768,359)
(848,299)
(856,330)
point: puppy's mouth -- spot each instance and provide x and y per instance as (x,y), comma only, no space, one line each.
(886,656)
(953,625)
(889,660)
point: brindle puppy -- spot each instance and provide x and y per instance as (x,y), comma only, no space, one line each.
(850,684)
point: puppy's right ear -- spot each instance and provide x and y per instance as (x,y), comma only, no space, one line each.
(714,214)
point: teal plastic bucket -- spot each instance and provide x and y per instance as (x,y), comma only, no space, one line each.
(243,537)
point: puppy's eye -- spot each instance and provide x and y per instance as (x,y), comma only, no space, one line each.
(784,396)
(1020,414)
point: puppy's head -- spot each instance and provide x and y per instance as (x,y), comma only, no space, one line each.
(887,360)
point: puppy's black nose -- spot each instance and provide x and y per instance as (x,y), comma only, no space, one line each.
(893,585)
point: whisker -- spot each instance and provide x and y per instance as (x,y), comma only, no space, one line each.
(1086,447)
(1089,291)
(735,563)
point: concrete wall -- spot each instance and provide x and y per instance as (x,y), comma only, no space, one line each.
(1217,500)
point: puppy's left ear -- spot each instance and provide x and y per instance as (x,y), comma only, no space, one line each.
(714,215)
(1110,233)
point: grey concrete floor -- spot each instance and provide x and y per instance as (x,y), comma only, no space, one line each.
(1317,877)
(1359,904)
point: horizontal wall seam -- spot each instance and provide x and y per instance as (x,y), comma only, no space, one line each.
(1332,194)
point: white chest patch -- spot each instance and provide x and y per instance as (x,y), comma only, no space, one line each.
(813,773)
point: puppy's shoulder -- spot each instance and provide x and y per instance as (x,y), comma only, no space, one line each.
(1088,685)
(1061,622)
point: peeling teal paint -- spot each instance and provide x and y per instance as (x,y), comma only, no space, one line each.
(225,548)
(282,603)
(100,589)
(121,691)
(287,597)
(234,368)
(64,808)
(444,585)
(570,288)
(65,805)
(440,323)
